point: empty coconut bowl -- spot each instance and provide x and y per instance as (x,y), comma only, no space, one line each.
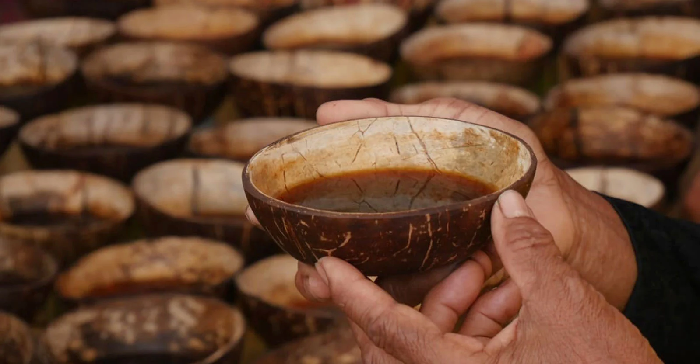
(227,30)
(81,35)
(626,8)
(555,18)
(616,136)
(240,139)
(667,45)
(654,94)
(273,305)
(476,52)
(170,264)
(9,121)
(514,102)
(185,76)
(623,183)
(19,344)
(66,213)
(374,30)
(296,83)
(423,187)
(337,346)
(37,78)
(267,11)
(26,277)
(113,140)
(198,197)
(161,328)
(419,11)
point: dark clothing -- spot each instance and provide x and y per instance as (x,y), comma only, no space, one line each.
(665,303)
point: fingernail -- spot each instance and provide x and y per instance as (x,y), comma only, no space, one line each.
(315,288)
(513,205)
(249,215)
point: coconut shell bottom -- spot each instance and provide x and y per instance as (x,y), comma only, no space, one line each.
(199,101)
(277,325)
(42,100)
(256,99)
(687,69)
(491,70)
(253,242)
(121,164)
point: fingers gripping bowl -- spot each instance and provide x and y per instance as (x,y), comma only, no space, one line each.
(380,232)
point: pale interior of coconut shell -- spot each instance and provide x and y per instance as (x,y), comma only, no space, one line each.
(65,31)
(146,324)
(615,133)
(626,184)
(311,68)
(191,188)
(133,125)
(639,4)
(498,97)
(171,261)
(656,38)
(393,143)
(18,345)
(339,25)
(655,94)
(187,22)
(29,262)
(272,280)
(34,64)
(8,117)
(65,192)
(252,4)
(479,41)
(530,11)
(156,62)
(241,139)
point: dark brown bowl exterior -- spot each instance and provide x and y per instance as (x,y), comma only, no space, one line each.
(18,338)
(493,70)
(336,346)
(469,231)
(118,164)
(250,240)
(688,8)
(106,9)
(688,69)
(256,98)
(277,325)
(26,300)
(231,45)
(199,101)
(7,136)
(42,100)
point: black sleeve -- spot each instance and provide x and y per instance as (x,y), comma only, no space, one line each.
(665,302)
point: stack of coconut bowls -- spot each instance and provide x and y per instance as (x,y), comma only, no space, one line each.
(124,237)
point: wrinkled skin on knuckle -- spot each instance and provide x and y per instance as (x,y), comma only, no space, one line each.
(386,332)
(524,236)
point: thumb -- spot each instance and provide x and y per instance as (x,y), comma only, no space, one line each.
(527,249)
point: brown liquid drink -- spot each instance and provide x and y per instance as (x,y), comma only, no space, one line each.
(389,190)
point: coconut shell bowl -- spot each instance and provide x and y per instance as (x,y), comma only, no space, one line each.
(113,140)
(159,328)
(374,30)
(337,346)
(241,139)
(26,277)
(9,123)
(66,213)
(185,76)
(631,8)
(268,11)
(37,77)
(170,264)
(666,45)
(273,305)
(423,187)
(199,197)
(296,83)
(20,345)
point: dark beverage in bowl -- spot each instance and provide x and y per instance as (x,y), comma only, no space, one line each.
(388,190)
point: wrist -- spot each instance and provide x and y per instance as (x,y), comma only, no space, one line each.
(601,250)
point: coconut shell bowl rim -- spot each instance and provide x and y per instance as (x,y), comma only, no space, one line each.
(250,188)
(48,262)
